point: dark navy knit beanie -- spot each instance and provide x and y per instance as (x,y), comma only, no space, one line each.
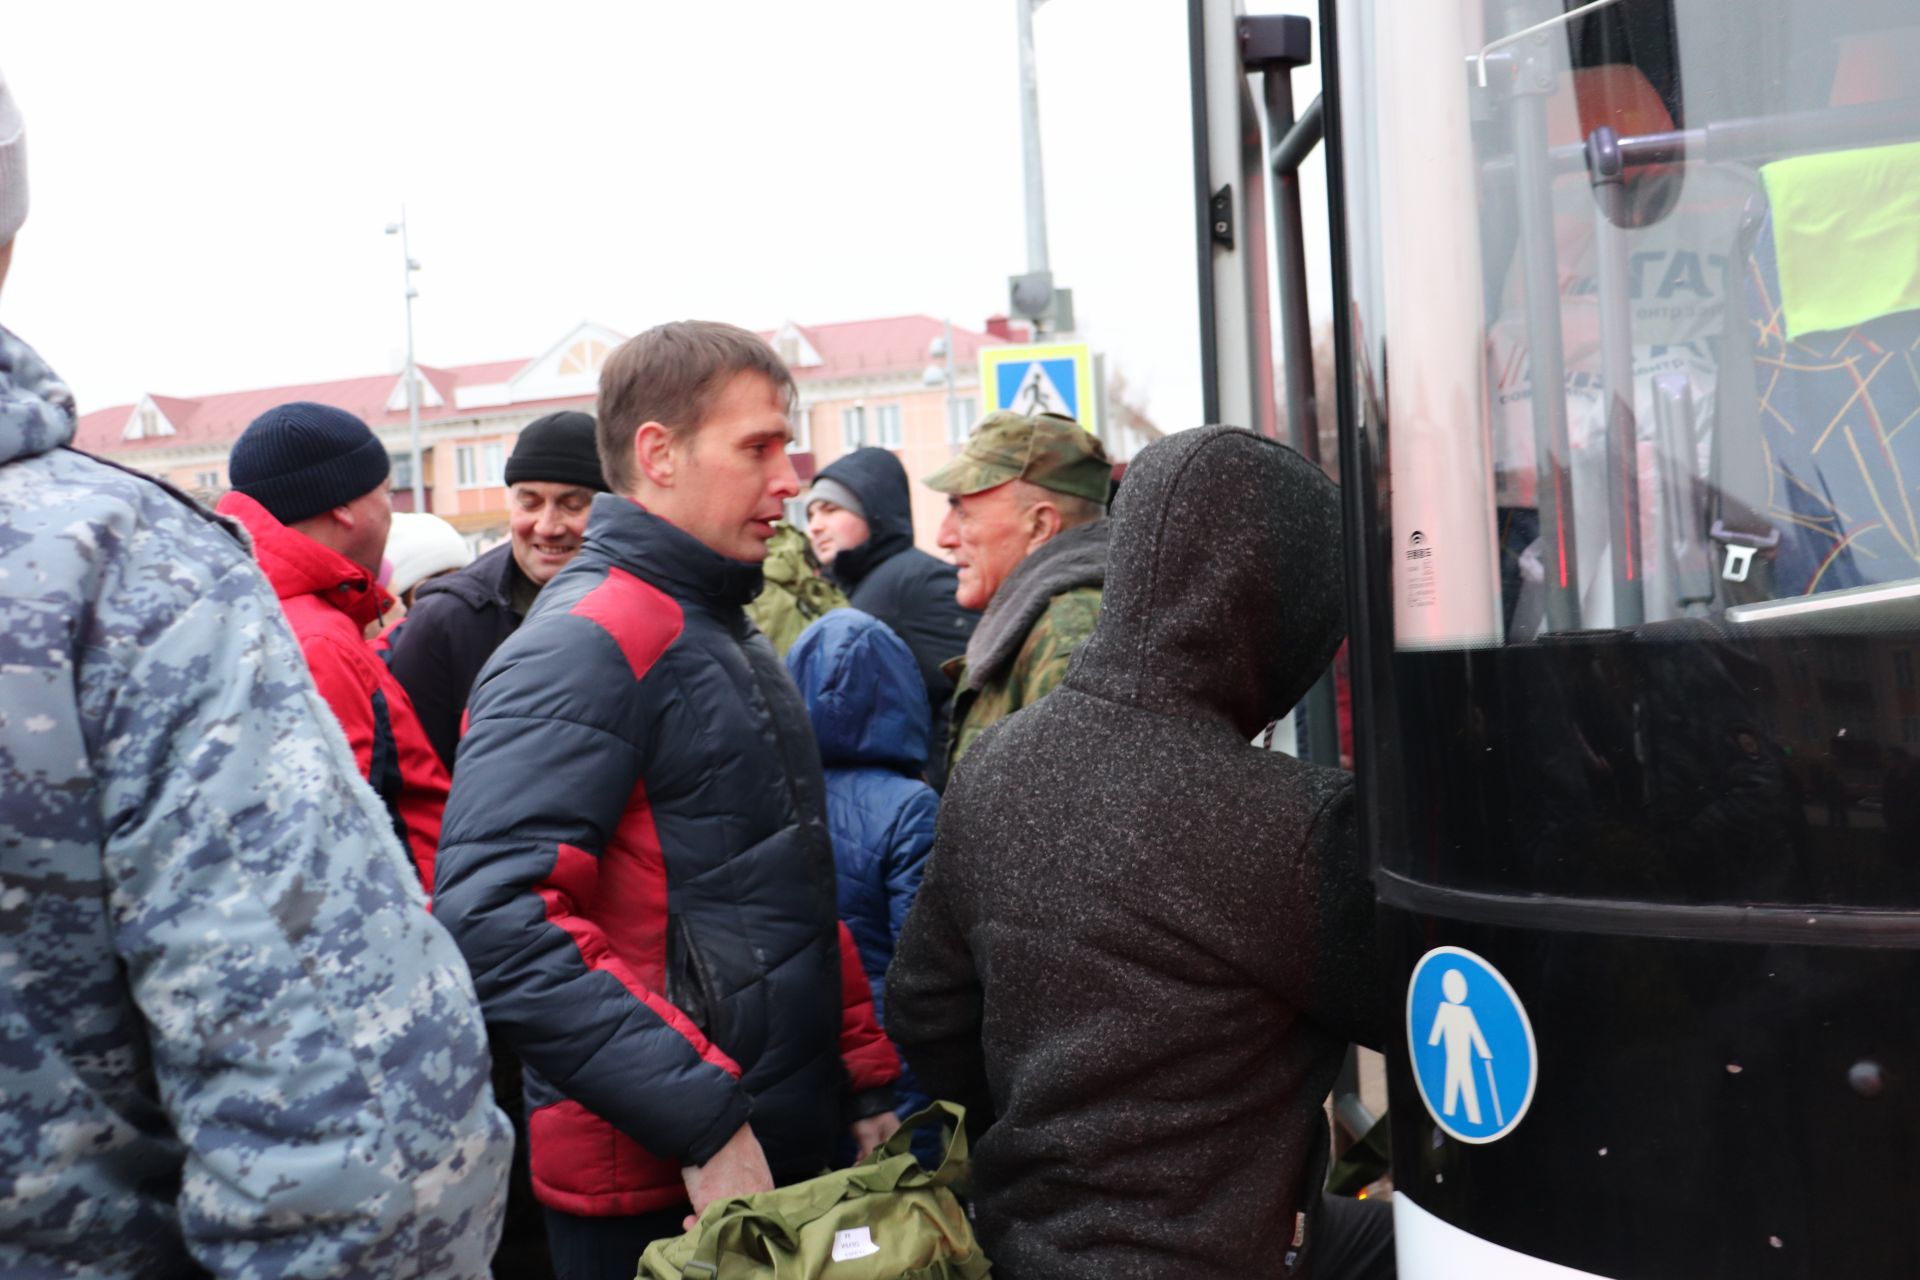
(300,459)
(559,449)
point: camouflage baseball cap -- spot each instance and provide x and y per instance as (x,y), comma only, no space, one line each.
(1045,449)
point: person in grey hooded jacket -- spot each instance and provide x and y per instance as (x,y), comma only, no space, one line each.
(232,1040)
(1168,932)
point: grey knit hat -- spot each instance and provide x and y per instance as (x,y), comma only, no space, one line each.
(826,489)
(13,166)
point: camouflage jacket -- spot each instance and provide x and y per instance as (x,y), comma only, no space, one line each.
(231,1036)
(795,594)
(1043,612)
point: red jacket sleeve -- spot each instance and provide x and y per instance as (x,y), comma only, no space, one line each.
(871,1060)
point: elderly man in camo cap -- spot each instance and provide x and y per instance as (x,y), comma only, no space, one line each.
(1026,525)
(232,1040)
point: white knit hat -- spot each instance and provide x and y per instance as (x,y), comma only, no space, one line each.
(420,545)
(13,166)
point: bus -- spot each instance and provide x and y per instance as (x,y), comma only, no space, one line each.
(1626,301)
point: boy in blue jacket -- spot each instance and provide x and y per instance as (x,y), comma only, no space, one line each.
(869,710)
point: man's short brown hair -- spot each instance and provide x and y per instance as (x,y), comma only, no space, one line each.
(670,375)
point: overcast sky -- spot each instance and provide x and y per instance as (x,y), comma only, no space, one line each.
(210,180)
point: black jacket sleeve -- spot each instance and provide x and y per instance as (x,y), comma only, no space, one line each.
(933,624)
(435,670)
(935,1002)
(915,598)
(1342,988)
(517,877)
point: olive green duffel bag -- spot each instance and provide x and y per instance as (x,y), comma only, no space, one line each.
(887,1218)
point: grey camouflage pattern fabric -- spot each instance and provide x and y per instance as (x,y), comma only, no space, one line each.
(231,1037)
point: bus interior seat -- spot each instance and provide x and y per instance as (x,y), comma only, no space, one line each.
(1837,407)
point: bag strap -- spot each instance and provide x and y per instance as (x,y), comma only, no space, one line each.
(724,1235)
(953,1162)
(887,1175)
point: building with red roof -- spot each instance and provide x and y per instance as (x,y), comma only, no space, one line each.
(861,382)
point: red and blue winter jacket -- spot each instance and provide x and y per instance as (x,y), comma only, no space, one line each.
(635,861)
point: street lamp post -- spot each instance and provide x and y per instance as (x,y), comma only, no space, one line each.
(413,375)
(1033,295)
(1030,142)
(941,350)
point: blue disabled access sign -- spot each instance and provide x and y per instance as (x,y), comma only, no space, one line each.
(1474,1058)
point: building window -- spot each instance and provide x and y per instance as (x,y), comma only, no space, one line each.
(960,413)
(886,426)
(1903,668)
(585,356)
(402,465)
(853,427)
(478,466)
(802,421)
(206,480)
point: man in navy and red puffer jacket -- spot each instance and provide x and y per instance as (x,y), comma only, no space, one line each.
(635,858)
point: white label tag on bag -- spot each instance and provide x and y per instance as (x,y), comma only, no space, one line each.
(856,1243)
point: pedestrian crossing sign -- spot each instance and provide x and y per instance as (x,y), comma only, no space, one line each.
(1475,1062)
(1044,378)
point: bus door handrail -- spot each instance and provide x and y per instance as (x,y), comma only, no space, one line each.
(1274,46)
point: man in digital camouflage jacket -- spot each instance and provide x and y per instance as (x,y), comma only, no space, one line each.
(231,1037)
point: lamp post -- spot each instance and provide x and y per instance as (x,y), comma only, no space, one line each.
(413,375)
(1033,295)
(940,350)
(1030,142)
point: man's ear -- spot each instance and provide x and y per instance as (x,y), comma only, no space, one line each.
(344,517)
(654,456)
(1043,522)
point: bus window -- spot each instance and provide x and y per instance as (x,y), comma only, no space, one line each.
(1635,309)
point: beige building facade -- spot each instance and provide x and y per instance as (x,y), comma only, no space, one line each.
(885,383)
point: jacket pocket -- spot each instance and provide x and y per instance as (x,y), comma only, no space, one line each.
(690,985)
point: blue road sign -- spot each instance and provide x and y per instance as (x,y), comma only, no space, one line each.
(1474,1057)
(1042,378)
(1037,386)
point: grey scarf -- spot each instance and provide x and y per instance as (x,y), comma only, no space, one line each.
(1075,558)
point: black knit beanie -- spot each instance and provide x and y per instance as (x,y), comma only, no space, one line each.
(559,449)
(300,459)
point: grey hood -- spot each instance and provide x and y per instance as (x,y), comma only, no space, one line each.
(1075,558)
(1224,581)
(36,409)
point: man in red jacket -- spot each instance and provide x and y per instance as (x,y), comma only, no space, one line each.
(636,860)
(310,483)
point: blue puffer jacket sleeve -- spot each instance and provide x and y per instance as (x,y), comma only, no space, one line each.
(907,848)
